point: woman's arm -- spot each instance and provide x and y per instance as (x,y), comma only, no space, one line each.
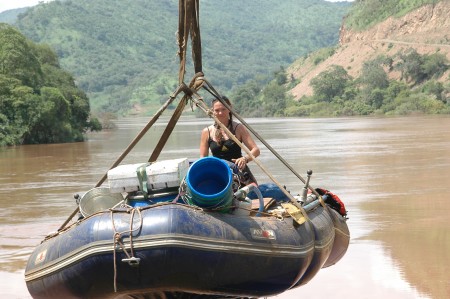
(243,134)
(204,146)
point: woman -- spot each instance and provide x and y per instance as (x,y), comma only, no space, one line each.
(221,145)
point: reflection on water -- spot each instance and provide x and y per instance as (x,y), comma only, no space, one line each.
(367,271)
(392,173)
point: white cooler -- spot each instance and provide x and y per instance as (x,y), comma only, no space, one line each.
(160,175)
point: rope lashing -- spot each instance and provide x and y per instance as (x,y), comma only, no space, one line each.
(117,240)
(212,91)
(195,84)
(152,121)
(189,25)
(202,106)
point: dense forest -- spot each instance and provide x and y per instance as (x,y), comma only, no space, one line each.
(123,53)
(39,102)
(336,93)
(10,16)
(422,86)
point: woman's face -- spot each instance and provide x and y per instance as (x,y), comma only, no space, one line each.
(221,112)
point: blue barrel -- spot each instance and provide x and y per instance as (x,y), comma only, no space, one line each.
(208,184)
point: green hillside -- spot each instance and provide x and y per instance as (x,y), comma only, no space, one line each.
(398,65)
(367,13)
(123,53)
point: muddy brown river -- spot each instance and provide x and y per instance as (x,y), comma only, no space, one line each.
(392,173)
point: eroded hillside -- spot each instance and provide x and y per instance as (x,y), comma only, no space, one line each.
(426,29)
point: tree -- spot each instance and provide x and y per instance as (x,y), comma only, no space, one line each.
(418,68)
(246,99)
(435,88)
(16,58)
(274,99)
(39,102)
(330,83)
(434,65)
(281,76)
(410,66)
(52,123)
(373,75)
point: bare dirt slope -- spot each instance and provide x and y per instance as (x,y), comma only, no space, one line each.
(426,29)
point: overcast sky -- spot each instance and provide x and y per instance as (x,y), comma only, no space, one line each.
(10,4)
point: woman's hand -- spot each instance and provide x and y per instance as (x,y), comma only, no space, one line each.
(240,162)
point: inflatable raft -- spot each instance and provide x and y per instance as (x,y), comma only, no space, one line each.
(174,229)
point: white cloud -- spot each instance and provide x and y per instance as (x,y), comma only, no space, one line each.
(11,4)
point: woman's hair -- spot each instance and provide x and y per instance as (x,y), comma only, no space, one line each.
(218,132)
(227,100)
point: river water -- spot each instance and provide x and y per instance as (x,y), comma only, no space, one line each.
(392,173)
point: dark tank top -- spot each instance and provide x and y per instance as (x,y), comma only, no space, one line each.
(228,150)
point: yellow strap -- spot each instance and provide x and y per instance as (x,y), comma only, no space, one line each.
(295,212)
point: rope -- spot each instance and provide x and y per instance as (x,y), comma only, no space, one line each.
(203,107)
(196,83)
(189,24)
(152,121)
(167,131)
(117,239)
(212,91)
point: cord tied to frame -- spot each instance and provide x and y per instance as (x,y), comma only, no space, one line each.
(119,244)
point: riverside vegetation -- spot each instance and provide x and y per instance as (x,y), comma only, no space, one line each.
(336,93)
(123,66)
(392,60)
(122,56)
(123,53)
(39,102)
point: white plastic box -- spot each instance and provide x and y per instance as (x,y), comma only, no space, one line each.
(123,178)
(160,175)
(167,174)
